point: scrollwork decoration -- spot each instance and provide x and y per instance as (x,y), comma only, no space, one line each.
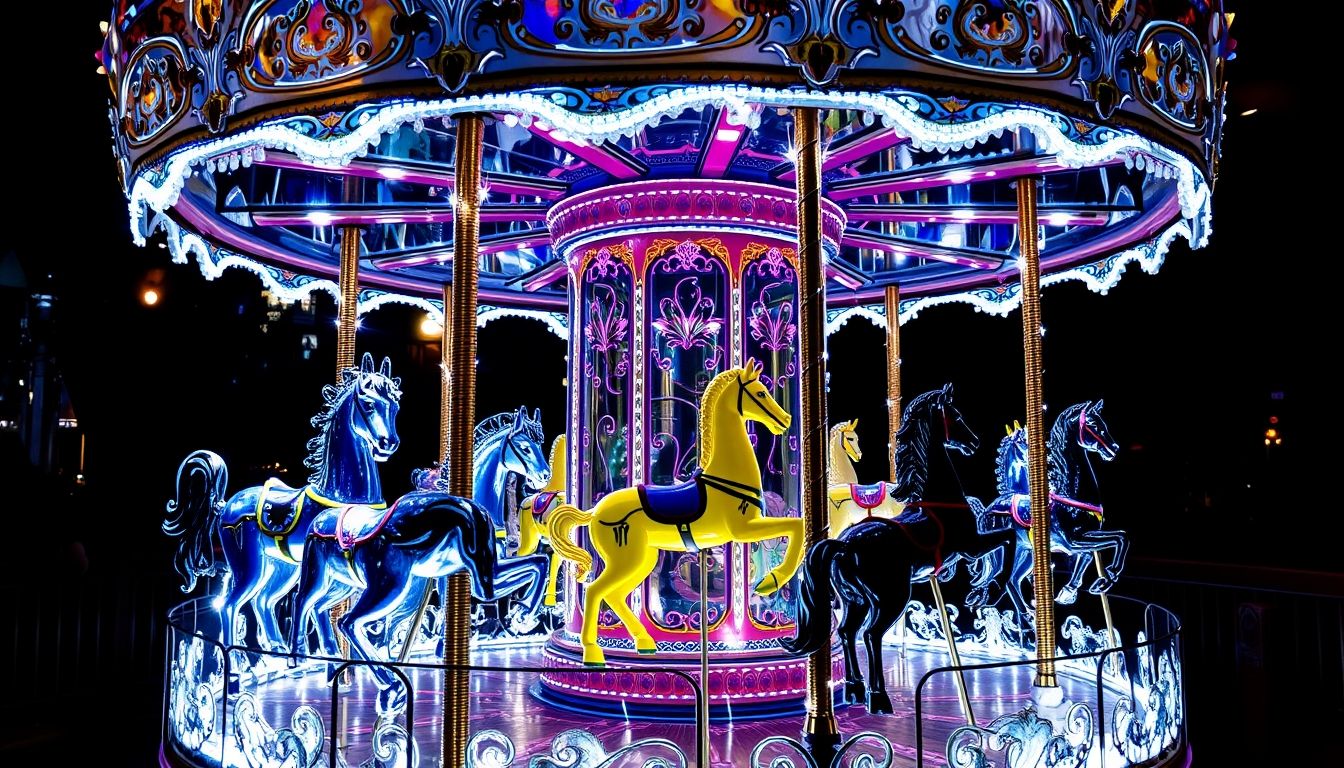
(154,95)
(1105,45)
(573,748)
(261,746)
(820,37)
(1026,739)
(1173,76)
(1026,37)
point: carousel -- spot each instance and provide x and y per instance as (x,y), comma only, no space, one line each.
(693,195)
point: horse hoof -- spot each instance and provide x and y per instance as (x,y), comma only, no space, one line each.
(1066,596)
(594,658)
(855,693)
(646,647)
(977,599)
(879,703)
(1101,586)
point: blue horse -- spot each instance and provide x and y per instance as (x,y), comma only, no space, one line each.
(388,556)
(1075,525)
(261,529)
(507,444)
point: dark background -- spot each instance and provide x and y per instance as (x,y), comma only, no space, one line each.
(1186,360)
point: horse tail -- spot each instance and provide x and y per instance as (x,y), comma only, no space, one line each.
(194,515)
(563,519)
(814,599)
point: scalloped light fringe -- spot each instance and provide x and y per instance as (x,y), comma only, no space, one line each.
(1193,192)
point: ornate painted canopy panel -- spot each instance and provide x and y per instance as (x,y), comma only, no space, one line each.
(237,125)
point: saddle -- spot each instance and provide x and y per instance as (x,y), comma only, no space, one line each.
(676,505)
(868,496)
(542,502)
(278,508)
(351,525)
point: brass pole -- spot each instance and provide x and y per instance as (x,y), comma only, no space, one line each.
(445,367)
(1030,265)
(819,729)
(702,749)
(461,425)
(893,302)
(347,317)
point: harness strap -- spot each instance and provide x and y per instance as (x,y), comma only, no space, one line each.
(936,549)
(315,496)
(747,494)
(1095,510)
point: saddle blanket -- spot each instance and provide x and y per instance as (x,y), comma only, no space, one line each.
(351,525)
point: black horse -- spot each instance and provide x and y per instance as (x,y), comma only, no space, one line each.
(388,556)
(872,564)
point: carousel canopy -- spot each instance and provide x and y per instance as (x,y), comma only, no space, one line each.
(253,134)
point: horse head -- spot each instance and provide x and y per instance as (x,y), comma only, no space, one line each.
(849,439)
(1093,434)
(755,403)
(377,397)
(957,436)
(522,450)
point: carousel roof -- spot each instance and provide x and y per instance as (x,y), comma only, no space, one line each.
(251,133)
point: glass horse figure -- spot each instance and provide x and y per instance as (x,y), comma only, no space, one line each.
(388,559)
(1075,525)
(261,529)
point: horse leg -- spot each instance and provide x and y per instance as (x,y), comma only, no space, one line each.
(1022,561)
(553,579)
(319,592)
(884,613)
(278,579)
(644,643)
(983,571)
(385,592)
(762,528)
(1099,540)
(527,573)
(852,616)
(1069,592)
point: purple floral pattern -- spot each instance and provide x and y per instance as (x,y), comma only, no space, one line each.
(688,319)
(770,320)
(774,329)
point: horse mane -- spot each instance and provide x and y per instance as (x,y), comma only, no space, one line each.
(332,395)
(912,445)
(1015,441)
(1061,480)
(556,461)
(707,402)
(502,422)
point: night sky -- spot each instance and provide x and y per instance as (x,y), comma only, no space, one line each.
(1186,360)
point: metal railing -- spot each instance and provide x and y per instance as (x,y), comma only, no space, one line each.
(192,674)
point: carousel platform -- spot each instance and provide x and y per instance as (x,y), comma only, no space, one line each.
(1120,707)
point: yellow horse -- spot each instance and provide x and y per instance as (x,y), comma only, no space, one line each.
(721,504)
(534,515)
(851,502)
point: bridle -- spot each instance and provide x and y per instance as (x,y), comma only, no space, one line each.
(742,391)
